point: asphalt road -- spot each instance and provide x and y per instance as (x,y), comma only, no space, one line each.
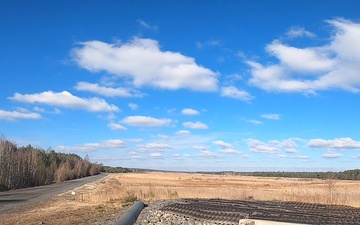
(20,197)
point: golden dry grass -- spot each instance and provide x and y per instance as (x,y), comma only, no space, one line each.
(106,198)
(155,186)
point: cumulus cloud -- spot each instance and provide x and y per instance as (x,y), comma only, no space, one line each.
(145,121)
(13,115)
(67,100)
(233,92)
(335,65)
(195,125)
(145,64)
(90,147)
(107,91)
(337,143)
(116,126)
(271,116)
(190,112)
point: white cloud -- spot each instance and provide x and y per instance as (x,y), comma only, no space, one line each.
(183,132)
(290,146)
(157,146)
(133,106)
(271,116)
(226,147)
(261,147)
(146,25)
(142,61)
(136,140)
(313,60)
(331,155)
(296,32)
(156,155)
(301,157)
(207,154)
(201,148)
(233,92)
(107,91)
(67,100)
(230,151)
(145,121)
(195,125)
(223,145)
(13,115)
(307,70)
(90,147)
(337,143)
(190,112)
(116,126)
(256,122)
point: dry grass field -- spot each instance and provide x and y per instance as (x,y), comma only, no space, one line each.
(105,199)
(155,186)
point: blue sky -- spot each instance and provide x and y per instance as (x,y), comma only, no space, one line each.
(185,85)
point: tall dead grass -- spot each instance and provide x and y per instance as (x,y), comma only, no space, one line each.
(157,186)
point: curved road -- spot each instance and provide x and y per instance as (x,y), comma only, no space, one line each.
(20,197)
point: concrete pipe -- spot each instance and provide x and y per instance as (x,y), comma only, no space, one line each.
(129,217)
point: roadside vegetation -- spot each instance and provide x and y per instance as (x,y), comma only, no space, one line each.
(22,167)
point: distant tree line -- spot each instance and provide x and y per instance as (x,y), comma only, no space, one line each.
(22,167)
(110,169)
(343,175)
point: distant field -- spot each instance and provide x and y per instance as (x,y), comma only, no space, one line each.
(105,199)
(156,186)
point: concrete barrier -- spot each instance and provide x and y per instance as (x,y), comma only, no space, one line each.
(265,222)
(129,217)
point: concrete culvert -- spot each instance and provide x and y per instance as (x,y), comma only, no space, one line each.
(129,217)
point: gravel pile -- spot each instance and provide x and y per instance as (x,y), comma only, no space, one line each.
(152,214)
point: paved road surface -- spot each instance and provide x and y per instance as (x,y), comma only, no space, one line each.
(20,197)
